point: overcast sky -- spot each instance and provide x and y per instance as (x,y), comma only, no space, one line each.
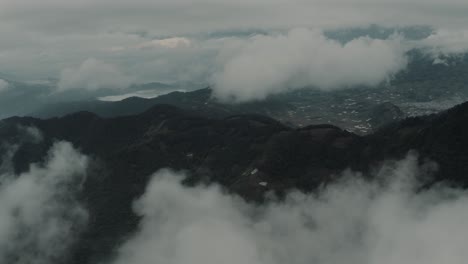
(93,44)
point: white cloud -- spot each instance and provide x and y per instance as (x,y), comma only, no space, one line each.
(4,85)
(353,221)
(93,75)
(264,65)
(39,213)
(171,43)
(446,42)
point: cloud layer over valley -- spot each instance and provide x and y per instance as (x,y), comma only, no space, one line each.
(238,65)
(244,50)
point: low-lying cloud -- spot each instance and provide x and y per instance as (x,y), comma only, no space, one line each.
(93,75)
(263,65)
(39,213)
(4,85)
(385,221)
(446,43)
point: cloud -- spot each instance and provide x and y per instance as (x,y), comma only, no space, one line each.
(39,213)
(171,43)
(354,221)
(264,65)
(93,75)
(166,43)
(41,39)
(4,85)
(30,134)
(446,42)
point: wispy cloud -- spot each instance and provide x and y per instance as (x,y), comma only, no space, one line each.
(92,75)
(4,85)
(172,43)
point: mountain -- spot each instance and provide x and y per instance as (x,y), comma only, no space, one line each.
(250,155)
(379,32)
(199,101)
(26,97)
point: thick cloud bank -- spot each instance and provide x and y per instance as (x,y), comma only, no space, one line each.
(39,213)
(353,221)
(93,75)
(264,65)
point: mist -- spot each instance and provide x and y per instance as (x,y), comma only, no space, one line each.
(3,85)
(40,216)
(93,74)
(387,220)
